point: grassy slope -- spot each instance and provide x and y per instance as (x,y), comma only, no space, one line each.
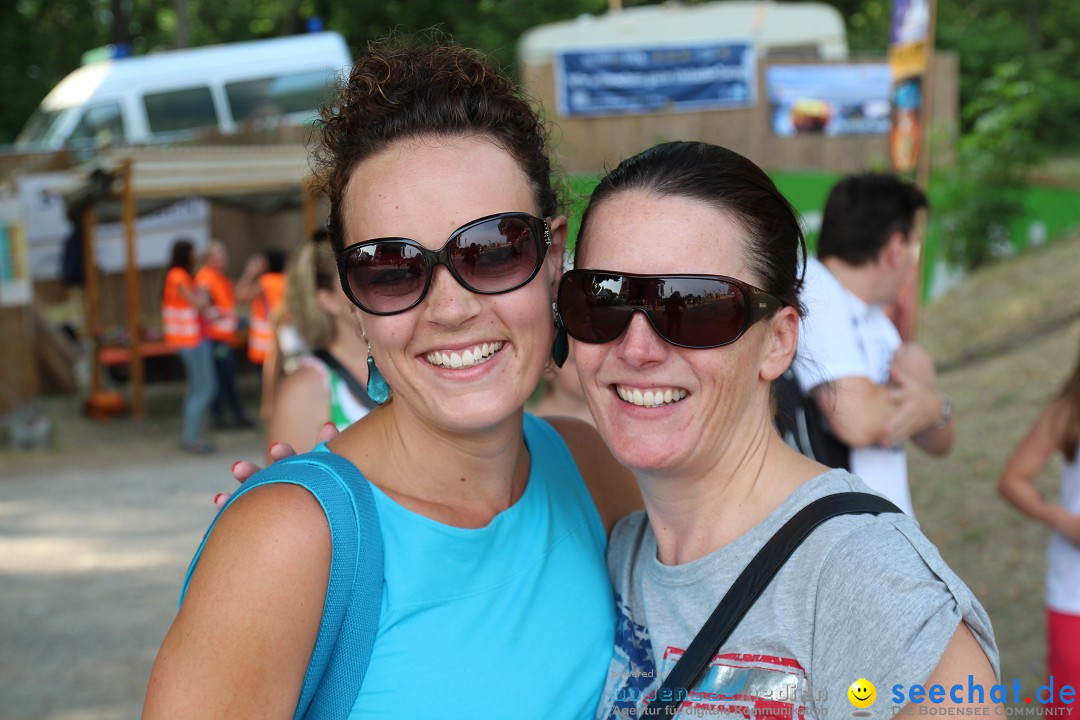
(1005,339)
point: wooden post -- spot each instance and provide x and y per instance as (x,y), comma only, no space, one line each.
(922,169)
(91,299)
(138,370)
(923,266)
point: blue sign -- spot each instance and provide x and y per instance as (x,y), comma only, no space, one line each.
(653,79)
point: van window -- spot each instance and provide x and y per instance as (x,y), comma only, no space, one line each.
(180,110)
(40,127)
(99,125)
(278,95)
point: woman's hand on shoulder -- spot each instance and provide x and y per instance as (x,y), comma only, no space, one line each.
(612,486)
(252,611)
(242,470)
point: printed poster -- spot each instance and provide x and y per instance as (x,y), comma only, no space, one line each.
(831,100)
(640,80)
(16,287)
(47,228)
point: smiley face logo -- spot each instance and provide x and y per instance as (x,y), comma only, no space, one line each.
(862,693)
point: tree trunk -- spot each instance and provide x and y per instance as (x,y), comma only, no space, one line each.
(1034,26)
(181,40)
(121,34)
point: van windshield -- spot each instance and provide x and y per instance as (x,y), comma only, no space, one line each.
(41,126)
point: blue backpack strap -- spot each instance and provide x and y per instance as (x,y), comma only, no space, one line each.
(354,591)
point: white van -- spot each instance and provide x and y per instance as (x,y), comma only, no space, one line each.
(170,96)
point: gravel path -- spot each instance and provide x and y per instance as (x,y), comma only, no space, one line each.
(95,536)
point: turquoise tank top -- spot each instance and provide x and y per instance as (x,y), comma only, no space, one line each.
(515,619)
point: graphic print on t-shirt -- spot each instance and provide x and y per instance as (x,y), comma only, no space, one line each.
(746,685)
(633,653)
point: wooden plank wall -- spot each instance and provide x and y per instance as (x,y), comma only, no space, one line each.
(17,358)
(594,144)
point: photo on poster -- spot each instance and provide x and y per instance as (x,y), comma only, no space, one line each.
(831,100)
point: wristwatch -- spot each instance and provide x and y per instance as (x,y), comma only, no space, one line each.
(946,414)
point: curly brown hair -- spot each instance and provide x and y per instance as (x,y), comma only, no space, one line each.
(396,91)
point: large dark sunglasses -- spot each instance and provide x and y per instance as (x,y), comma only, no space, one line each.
(690,311)
(492,255)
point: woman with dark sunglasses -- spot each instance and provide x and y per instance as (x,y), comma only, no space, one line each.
(495,599)
(684,308)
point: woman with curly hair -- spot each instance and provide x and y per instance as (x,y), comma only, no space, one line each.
(449,242)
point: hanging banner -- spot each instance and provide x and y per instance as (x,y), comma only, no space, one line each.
(155,233)
(640,80)
(831,100)
(906,135)
(15,285)
(908,60)
(48,228)
(910,22)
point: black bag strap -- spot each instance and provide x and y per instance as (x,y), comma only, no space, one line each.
(351,382)
(746,589)
(803,426)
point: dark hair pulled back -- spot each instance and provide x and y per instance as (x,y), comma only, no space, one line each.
(397,92)
(775,245)
(183,255)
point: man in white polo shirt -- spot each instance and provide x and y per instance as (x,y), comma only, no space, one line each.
(874,391)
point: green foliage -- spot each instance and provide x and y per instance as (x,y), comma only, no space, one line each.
(867,23)
(31,61)
(983,193)
(1040,34)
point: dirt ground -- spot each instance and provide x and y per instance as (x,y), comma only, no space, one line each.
(95,535)
(97,531)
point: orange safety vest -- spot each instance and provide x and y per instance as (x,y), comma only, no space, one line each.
(222,327)
(179,318)
(263,308)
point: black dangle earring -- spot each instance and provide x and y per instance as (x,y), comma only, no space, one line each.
(561,348)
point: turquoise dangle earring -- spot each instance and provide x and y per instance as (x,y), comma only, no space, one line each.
(561,348)
(377,389)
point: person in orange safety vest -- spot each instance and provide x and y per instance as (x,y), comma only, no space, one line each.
(222,327)
(181,304)
(269,291)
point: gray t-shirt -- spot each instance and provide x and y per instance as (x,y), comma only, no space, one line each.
(863,597)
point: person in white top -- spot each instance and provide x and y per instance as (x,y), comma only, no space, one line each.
(316,393)
(874,391)
(1057,429)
